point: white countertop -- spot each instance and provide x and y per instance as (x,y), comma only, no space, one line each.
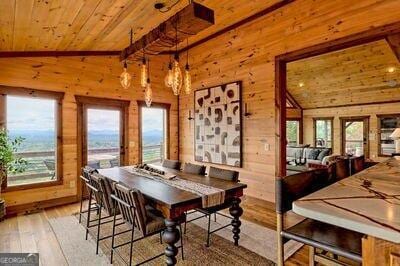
(367,202)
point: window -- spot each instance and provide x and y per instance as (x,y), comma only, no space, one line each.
(355,136)
(34,116)
(293,134)
(154,132)
(386,125)
(323,132)
(103,138)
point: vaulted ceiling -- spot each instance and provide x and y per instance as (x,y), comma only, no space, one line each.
(65,25)
(357,75)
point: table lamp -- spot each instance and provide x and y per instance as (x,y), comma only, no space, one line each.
(396,136)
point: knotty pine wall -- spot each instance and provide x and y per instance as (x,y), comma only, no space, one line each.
(247,54)
(362,110)
(88,76)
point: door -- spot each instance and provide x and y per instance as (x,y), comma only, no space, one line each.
(355,139)
(102,133)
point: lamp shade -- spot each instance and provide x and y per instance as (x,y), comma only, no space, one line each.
(395,134)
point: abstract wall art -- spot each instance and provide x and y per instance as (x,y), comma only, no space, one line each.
(218,126)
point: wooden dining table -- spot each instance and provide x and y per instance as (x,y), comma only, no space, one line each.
(174,202)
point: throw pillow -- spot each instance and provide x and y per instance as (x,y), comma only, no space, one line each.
(322,154)
(313,154)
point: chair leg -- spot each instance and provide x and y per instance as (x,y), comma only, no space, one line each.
(160,237)
(180,230)
(185,223)
(215,217)
(80,210)
(112,237)
(131,247)
(279,227)
(208,231)
(98,230)
(88,216)
(311,256)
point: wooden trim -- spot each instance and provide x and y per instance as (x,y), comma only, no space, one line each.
(379,125)
(53,95)
(238,24)
(29,92)
(365,120)
(315,129)
(84,103)
(39,205)
(5,54)
(360,38)
(167,108)
(370,35)
(353,104)
(293,101)
(394,43)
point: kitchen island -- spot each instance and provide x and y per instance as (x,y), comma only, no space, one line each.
(367,202)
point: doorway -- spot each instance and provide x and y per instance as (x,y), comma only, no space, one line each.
(355,139)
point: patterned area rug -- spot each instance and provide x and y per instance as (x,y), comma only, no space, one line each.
(257,245)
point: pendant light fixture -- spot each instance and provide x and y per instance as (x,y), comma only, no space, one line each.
(177,78)
(143,71)
(169,76)
(126,78)
(188,77)
(148,93)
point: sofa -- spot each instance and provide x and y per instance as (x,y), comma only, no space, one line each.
(312,154)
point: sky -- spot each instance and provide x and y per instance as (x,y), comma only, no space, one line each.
(30,114)
(39,114)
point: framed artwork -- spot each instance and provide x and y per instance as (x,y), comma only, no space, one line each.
(218,124)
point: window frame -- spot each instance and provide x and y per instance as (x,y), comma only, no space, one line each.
(167,108)
(379,128)
(365,120)
(300,121)
(42,94)
(315,119)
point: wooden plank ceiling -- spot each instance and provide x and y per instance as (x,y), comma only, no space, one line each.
(357,75)
(102,25)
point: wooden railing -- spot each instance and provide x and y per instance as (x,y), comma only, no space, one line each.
(37,169)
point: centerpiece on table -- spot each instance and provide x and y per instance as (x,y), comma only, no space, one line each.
(9,163)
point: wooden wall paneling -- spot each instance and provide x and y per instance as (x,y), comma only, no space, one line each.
(247,53)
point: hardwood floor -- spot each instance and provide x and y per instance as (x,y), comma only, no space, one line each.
(32,232)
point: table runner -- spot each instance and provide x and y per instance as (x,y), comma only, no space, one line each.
(211,196)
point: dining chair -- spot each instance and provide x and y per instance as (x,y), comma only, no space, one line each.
(318,235)
(224,174)
(171,164)
(98,187)
(194,169)
(135,214)
(85,175)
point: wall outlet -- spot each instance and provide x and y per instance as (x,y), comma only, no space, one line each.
(267,147)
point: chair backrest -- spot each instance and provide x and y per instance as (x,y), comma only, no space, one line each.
(104,185)
(86,172)
(94,165)
(294,187)
(195,169)
(171,164)
(225,174)
(358,164)
(342,168)
(50,164)
(131,204)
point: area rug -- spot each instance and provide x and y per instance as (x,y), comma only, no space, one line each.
(257,245)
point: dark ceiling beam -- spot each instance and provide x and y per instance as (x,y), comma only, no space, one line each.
(394,43)
(238,24)
(4,54)
(187,22)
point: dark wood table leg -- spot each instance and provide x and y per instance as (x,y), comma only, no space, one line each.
(171,236)
(236,211)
